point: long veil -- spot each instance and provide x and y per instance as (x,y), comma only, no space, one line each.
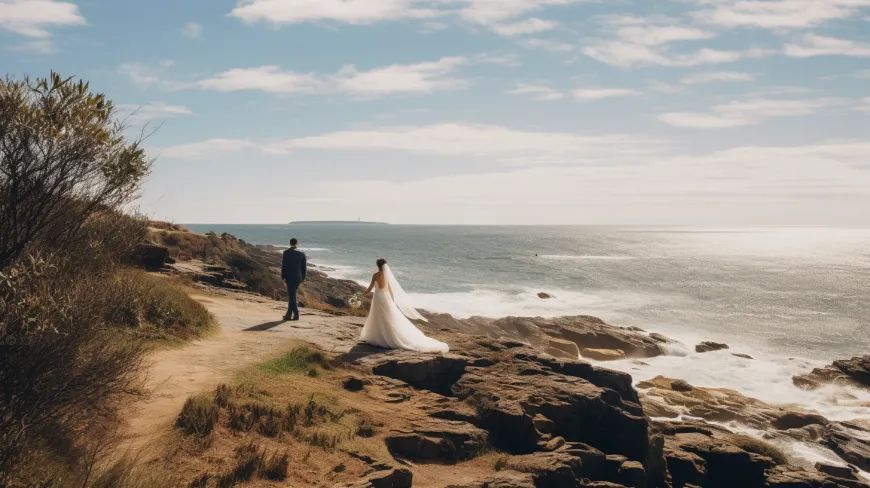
(400,297)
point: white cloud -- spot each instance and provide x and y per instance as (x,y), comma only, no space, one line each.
(208,148)
(547,45)
(146,75)
(864,105)
(777,14)
(528,26)
(536,92)
(153,111)
(646,42)
(750,111)
(815,45)
(493,12)
(749,181)
(505,17)
(657,35)
(717,77)
(192,30)
(269,79)
(488,142)
(627,55)
(588,94)
(278,12)
(33,19)
(409,78)
(703,78)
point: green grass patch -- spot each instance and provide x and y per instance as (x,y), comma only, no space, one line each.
(301,359)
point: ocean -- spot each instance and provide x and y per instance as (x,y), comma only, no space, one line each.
(793,298)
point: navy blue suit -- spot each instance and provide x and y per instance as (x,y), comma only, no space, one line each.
(293,267)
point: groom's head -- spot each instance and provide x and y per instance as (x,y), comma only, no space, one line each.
(294,242)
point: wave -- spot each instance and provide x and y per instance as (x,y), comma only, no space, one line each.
(571,257)
(524,301)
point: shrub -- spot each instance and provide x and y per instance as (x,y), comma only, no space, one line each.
(274,467)
(61,358)
(249,458)
(136,299)
(63,158)
(198,416)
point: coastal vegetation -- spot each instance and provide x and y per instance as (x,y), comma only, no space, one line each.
(76,315)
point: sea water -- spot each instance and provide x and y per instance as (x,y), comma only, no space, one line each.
(792,298)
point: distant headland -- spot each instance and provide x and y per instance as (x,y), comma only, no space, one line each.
(342,222)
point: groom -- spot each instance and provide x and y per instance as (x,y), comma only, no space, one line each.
(293,273)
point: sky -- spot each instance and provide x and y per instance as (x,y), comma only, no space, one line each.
(670,112)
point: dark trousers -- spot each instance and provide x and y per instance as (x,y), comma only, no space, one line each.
(292,302)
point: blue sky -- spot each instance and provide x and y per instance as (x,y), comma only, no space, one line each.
(720,112)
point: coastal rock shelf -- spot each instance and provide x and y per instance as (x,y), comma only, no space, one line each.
(567,423)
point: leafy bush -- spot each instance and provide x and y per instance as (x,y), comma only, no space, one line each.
(63,158)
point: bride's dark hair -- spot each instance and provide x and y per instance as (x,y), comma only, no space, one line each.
(381,262)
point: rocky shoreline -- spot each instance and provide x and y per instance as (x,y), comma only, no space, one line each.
(564,422)
(520,385)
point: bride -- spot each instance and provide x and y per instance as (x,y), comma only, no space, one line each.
(387,324)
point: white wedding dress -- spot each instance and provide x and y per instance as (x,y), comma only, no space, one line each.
(387,324)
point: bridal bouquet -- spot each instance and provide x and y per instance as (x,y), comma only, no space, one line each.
(355,301)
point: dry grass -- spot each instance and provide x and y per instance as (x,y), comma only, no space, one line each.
(154,307)
(198,415)
(274,413)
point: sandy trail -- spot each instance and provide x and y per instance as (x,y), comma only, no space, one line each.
(250,330)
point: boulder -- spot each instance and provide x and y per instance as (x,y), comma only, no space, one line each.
(150,256)
(854,372)
(522,386)
(437,440)
(432,372)
(562,348)
(850,441)
(797,477)
(846,472)
(724,464)
(502,479)
(544,296)
(549,469)
(708,346)
(354,384)
(388,478)
(602,354)
(667,397)
(797,420)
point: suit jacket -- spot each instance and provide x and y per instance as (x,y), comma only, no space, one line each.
(293,266)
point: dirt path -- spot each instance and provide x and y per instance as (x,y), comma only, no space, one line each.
(249,331)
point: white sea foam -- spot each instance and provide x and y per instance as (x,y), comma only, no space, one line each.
(767,378)
(489,302)
(805,454)
(342,272)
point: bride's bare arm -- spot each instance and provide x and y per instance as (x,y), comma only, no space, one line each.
(371,285)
